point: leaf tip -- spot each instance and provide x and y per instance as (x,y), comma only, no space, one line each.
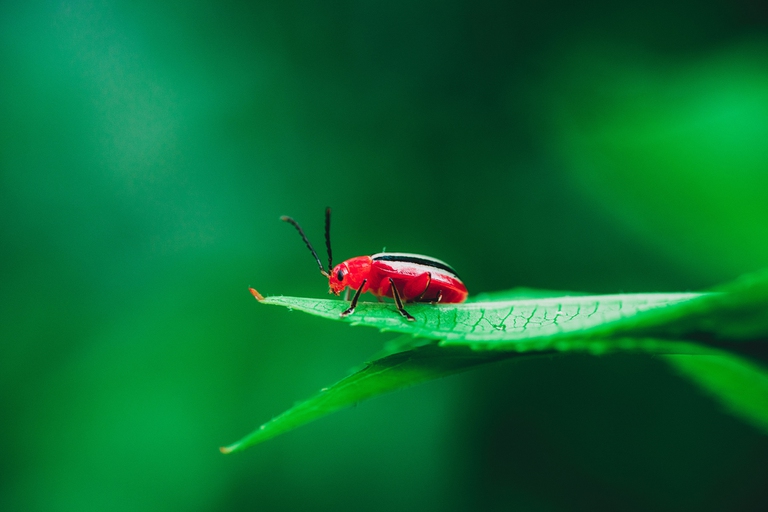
(226,449)
(259,297)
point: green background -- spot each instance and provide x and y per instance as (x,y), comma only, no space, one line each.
(147,151)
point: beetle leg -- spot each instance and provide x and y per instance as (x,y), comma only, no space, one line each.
(438,298)
(346,293)
(352,306)
(417,288)
(426,287)
(398,302)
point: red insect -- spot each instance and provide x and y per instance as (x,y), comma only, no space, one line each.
(402,276)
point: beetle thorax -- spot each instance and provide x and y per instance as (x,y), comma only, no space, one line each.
(349,273)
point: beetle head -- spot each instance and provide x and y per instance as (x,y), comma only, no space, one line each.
(350,273)
(338,279)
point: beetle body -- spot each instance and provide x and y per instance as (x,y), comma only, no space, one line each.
(417,278)
(402,276)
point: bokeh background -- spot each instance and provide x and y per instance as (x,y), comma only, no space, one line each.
(147,150)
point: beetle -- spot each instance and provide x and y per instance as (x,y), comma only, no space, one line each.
(402,276)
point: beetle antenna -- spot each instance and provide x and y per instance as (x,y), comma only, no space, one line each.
(285,218)
(328,238)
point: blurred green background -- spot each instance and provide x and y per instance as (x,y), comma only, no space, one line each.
(147,150)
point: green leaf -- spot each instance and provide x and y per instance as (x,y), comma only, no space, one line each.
(690,329)
(739,384)
(734,312)
(392,372)
(506,324)
(421,362)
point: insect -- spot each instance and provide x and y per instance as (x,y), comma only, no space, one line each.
(402,276)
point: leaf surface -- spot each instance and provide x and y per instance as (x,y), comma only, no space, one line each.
(691,330)
(493,324)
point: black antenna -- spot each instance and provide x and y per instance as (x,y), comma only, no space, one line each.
(328,237)
(285,218)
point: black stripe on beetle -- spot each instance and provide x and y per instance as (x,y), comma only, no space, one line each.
(412,258)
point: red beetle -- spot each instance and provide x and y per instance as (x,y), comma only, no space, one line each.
(402,276)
